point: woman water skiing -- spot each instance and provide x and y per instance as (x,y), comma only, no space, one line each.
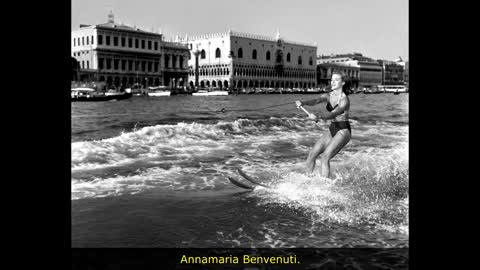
(339,133)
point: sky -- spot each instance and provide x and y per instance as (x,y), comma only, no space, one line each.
(375,28)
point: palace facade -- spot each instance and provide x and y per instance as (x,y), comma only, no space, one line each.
(122,56)
(240,60)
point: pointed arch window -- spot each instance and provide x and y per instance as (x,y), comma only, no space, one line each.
(240,53)
(288,57)
(268,55)
(217,53)
(299,60)
(202,54)
(254,54)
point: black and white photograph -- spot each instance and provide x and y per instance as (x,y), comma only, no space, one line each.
(240,124)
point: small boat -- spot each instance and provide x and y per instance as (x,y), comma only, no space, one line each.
(89,94)
(259,91)
(159,91)
(372,90)
(113,92)
(210,93)
(394,88)
(313,91)
(137,90)
(159,94)
(357,91)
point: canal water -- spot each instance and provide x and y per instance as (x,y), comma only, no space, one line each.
(152,172)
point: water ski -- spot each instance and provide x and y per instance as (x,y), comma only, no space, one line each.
(240,184)
(250,179)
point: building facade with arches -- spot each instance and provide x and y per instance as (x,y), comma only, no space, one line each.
(122,55)
(235,60)
(175,64)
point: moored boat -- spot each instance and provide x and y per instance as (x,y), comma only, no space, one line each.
(373,90)
(159,94)
(89,94)
(313,91)
(159,91)
(137,90)
(210,93)
(394,88)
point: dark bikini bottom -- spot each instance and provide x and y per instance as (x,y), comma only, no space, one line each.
(336,126)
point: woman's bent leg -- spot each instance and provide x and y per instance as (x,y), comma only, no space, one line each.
(317,149)
(336,144)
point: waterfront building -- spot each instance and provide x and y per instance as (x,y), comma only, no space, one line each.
(175,64)
(325,70)
(122,55)
(240,60)
(370,74)
(392,72)
(404,64)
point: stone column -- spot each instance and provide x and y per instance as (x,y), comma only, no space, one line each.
(196,53)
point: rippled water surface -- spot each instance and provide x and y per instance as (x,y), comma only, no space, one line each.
(152,172)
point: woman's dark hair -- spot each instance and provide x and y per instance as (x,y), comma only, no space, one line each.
(345,78)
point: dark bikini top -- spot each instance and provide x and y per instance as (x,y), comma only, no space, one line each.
(329,106)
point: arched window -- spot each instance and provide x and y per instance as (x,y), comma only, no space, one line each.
(217,53)
(299,60)
(310,61)
(202,54)
(268,55)
(254,54)
(240,53)
(279,57)
(288,57)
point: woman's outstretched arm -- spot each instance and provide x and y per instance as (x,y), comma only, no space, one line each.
(312,102)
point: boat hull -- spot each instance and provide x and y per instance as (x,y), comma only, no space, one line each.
(160,94)
(102,98)
(212,93)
